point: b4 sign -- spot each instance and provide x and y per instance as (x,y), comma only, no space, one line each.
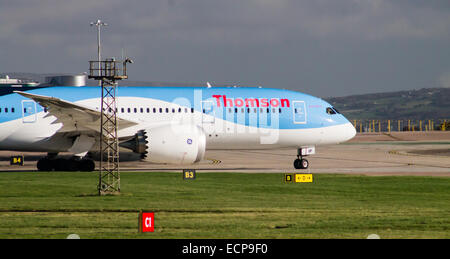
(147,222)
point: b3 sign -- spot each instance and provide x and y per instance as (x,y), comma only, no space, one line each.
(147,222)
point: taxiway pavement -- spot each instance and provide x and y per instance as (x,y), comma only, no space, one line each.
(397,153)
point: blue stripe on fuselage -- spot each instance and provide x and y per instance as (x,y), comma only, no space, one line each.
(222,99)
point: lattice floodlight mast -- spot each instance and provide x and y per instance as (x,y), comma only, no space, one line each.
(108,72)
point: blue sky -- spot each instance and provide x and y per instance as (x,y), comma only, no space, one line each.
(324,48)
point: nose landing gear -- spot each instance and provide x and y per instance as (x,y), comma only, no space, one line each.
(300,162)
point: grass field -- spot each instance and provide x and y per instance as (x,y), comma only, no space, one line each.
(224,205)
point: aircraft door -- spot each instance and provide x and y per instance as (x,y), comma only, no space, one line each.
(208,114)
(299,112)
(28,111)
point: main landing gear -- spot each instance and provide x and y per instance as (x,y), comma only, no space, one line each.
(300,162)
(51,163)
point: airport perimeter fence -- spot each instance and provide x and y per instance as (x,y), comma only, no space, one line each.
(400,125)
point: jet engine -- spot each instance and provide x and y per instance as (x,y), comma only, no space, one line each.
(170,144)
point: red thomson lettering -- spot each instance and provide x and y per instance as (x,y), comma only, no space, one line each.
(285,103)
(264,103)
(218,99)
(238,102)
(274,102)
(227,102)
(252,101)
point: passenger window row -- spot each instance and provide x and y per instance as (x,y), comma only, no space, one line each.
(252,110)
(13,110)
(167,110)
(152,110)
(6,110)
(191,110)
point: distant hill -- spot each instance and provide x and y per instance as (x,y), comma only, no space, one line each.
(423,104)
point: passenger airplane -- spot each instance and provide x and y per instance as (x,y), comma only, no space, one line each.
(173,125)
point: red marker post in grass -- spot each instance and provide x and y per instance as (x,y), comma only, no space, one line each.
(146,222)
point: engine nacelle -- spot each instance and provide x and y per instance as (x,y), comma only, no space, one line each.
(170,144)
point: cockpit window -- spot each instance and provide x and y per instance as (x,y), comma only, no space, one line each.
(330,111)
(336,110)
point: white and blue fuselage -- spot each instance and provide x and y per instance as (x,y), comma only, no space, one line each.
(230,117)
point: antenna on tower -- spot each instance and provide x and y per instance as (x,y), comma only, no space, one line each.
(99,24)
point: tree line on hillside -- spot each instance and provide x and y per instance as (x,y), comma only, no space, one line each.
(423,104)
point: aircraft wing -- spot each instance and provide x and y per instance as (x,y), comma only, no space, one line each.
(74,117)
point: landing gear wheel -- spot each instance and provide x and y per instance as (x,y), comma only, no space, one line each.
(63,164)
(45,164)
(298,164)
(301,163)
(304,163)
(72,165)
(87,165)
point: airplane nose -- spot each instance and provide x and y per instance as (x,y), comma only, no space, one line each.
(338,134)
(349,132)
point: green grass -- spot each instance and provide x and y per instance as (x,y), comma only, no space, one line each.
(224,205)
